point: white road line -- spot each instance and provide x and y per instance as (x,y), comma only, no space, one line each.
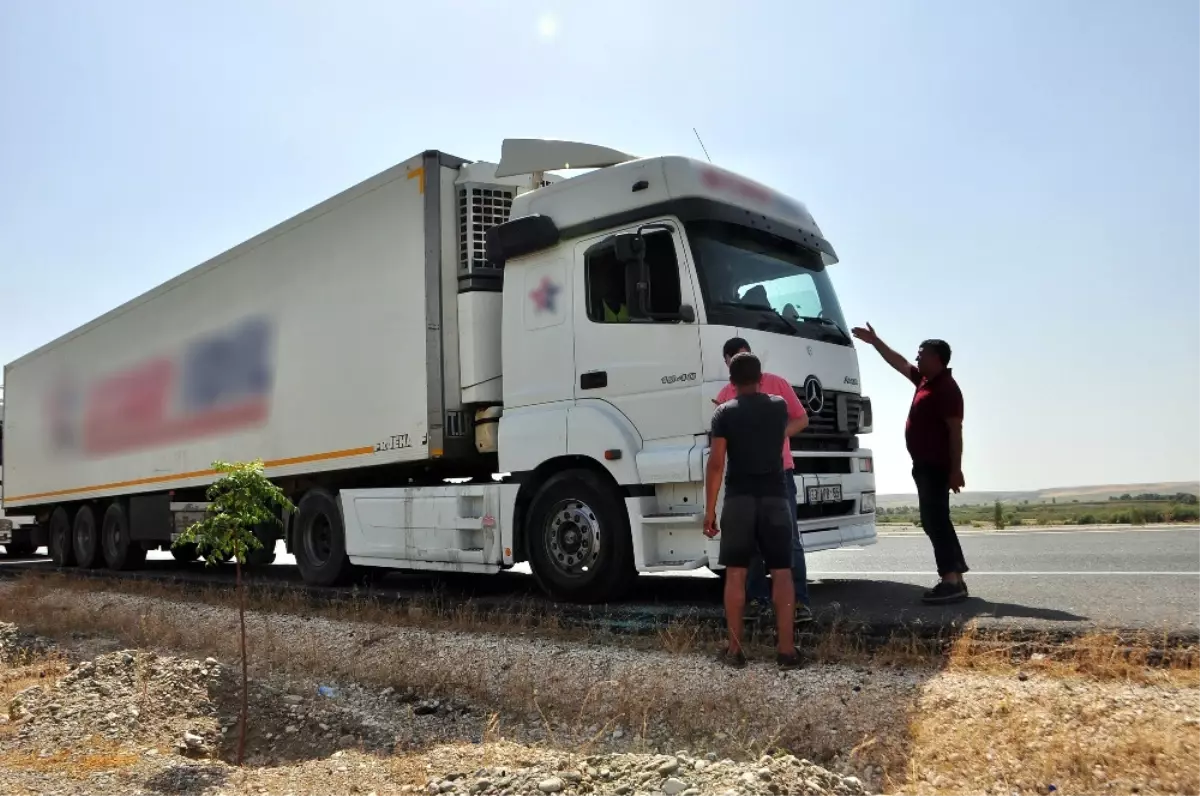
(973,573)
(1041,532)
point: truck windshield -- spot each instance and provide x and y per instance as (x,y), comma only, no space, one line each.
(753,279)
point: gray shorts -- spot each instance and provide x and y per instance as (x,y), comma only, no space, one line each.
(762,524)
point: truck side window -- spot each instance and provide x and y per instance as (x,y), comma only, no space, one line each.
(611,286)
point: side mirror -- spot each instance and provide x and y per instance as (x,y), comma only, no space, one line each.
(687,313)
(629,247)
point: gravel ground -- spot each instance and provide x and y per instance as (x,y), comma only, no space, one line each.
(609,697)
(355,707)
(134,721)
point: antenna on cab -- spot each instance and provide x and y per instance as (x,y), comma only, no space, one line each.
(702,144)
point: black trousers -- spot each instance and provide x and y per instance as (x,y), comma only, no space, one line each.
(933,493)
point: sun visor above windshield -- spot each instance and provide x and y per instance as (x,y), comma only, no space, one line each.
(691,178)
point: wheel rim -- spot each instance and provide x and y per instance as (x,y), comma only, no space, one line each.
(318,542)
(572,537)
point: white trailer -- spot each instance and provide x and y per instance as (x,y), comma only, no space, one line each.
(551,345)
(20,535)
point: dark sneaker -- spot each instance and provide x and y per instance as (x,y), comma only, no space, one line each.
(946,592)
(804,614)
(736,660)
(793,661)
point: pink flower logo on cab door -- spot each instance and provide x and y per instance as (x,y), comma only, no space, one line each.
(543,297)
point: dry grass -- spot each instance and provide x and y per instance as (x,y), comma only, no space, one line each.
(1138,658)
(1101,713)
(98,756)
(985,733)
(840,642)
(575,704)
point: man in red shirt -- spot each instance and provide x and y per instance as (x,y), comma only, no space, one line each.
(758,594)
(933,434)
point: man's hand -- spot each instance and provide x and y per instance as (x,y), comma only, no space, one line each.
(710,525)
(957,481)
(867,335)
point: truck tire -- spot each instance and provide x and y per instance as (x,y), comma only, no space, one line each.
(265,555)
(19,549)
(319,543)
(120,551)
(86,538)
(578,540)
(185,553)
(60,543)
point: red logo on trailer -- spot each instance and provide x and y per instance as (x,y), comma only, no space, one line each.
(220,382)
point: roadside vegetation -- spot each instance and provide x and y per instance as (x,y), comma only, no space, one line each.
(1125,510)
(1105,713)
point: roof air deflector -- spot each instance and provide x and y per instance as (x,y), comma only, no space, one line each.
(534,155)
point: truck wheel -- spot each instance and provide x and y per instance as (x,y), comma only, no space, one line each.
(61,545)
(19,549)
(86,538)
(265,555)
(579,544)
(120,551)
(185,553)
(319,543)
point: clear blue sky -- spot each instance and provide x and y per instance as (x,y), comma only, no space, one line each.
(1021,178)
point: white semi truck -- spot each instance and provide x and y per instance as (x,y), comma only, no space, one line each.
(456,366)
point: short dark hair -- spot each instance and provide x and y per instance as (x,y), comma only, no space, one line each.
(734,345)
(939,347)
(745,369)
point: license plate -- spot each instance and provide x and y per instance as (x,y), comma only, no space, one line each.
(825,494)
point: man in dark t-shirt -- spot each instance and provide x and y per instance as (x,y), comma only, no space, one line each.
(933,433)
(757,515)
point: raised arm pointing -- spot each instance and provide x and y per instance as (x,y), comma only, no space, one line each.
(897,361)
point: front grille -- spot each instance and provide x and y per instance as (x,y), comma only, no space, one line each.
(840,415)
(819,511)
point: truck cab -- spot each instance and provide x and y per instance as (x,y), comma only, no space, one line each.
(620,288)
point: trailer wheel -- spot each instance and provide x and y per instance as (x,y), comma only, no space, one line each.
(120,551)
(580,548)
(185,553)
(86,538)
(19,549)
(61,544)
(265,555)
(319,543)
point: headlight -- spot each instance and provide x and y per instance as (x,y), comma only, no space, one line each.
(866,504)
(866,465)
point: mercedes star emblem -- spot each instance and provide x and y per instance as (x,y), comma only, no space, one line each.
(814,395)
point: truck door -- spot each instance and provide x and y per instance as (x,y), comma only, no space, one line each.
(648,369)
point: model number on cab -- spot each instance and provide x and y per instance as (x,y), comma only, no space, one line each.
(679,378)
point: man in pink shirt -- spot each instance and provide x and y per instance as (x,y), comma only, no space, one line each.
(758,593)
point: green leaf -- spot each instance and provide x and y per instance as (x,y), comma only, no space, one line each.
(242,499)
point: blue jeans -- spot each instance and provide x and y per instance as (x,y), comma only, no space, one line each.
(757,586)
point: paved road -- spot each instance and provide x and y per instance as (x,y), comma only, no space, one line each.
(1053,579)
(1113,578)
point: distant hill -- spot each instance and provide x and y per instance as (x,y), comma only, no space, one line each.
(1081,494)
